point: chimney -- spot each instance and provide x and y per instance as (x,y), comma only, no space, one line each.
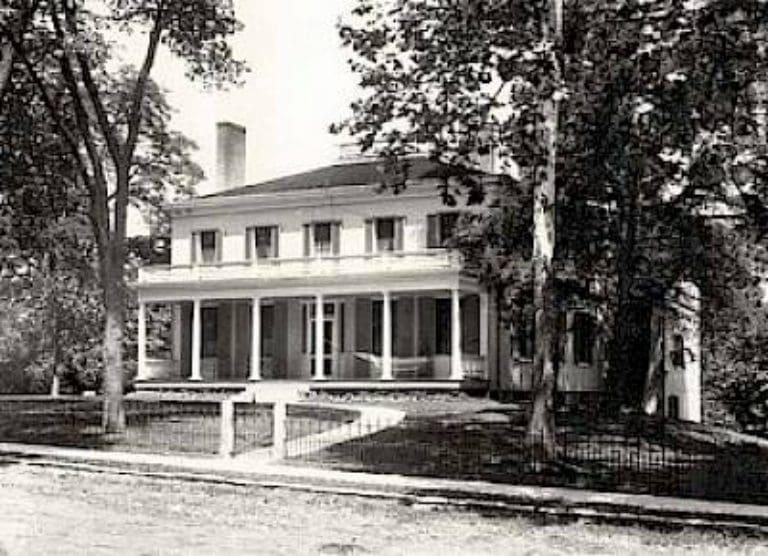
(230,156)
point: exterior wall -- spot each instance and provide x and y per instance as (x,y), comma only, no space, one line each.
(572,376)
(290,220)
(682,319)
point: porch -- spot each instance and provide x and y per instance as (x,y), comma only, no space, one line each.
(436,339)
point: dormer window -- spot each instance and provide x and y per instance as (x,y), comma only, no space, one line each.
(206,246)
(321,239)
(384,234)
(440,228)
(262,242)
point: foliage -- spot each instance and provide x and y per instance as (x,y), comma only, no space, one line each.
(661,145)
(49,256)
(68,55)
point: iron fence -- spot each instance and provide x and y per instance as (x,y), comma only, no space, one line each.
(646,459)
(159,426)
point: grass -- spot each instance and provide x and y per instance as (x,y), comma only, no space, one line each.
(157,426)
(628,454)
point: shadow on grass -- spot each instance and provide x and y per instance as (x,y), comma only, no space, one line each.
(632,455)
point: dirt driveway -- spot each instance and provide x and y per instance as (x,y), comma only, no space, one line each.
(53,511)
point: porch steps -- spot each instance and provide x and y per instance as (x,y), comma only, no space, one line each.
(273,391)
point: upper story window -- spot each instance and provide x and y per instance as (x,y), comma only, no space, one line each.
(262,242)
(583,338)
(384,234)
(206,246)
(440,228)
(321,238)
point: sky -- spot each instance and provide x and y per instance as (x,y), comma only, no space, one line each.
(298,85)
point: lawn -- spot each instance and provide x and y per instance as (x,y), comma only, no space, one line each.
(158,425)
(628,454)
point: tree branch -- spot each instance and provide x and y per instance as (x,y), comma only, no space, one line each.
(107,129)
(134,115)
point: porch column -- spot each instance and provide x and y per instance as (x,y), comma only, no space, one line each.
(484,316)
(255,373)
(456,370)
(196,341)
(386,341)
(319,355)
(141,359)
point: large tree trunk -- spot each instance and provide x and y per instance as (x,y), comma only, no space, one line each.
(541,423)
(112,350)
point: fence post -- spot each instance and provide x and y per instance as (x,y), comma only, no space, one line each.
(278,429)
(227,437)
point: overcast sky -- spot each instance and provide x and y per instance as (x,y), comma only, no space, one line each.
(298,85)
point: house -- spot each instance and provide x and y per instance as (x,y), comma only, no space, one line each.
(320,277)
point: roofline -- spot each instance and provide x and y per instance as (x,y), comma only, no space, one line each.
(416,188)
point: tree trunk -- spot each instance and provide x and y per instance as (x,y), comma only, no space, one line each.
(112,349)
(541,423)
(6,64)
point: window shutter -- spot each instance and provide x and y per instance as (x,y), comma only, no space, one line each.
(193,250)
(369,236)
(219,244)
(335,229)
(249,235)
(306,240)
(399,234)
(433,231)
(275,241)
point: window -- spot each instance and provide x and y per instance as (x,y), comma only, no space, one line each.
(263,241)
(440,228)
(210,331)
(524,337)
(268,330)
(443,326)
(677,354)
(208,243)
(323,245)
(583,338)
(321,238)
(385,234)
(673,407)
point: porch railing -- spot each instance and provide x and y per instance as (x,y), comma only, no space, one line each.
(279,268)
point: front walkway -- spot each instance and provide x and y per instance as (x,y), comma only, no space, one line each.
(478,495)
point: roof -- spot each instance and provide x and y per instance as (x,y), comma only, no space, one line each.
(356,173)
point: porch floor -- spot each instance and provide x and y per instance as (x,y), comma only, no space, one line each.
(317,385)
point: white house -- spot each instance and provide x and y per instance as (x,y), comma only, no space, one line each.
(321,277)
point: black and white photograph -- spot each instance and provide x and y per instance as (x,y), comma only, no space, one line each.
(383,277)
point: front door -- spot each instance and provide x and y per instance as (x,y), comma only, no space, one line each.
(330,348)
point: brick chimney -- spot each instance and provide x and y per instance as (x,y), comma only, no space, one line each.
(230,156)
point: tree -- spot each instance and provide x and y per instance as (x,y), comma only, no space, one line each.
(66,54)
(655,143)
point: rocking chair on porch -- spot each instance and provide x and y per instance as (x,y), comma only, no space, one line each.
(402,367)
